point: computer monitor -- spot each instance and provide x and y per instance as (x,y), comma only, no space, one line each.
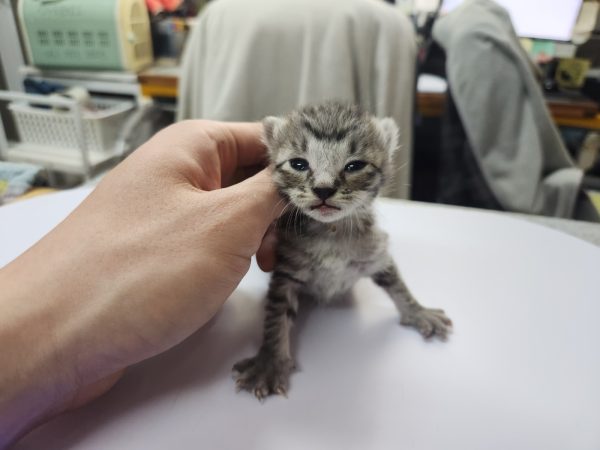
(540,19)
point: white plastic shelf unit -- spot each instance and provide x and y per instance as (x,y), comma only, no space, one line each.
(62,137)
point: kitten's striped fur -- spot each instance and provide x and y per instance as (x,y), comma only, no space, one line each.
(338,157)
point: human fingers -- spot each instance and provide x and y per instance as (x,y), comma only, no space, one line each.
(265,256)
(258,197)
(240,148)
(242,173)
(252,206)
(211,154)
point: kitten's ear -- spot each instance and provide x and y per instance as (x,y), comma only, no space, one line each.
(388,133)
(272,129)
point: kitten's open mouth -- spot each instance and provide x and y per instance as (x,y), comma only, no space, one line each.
(325,208)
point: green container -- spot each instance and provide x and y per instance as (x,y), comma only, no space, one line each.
(86,34)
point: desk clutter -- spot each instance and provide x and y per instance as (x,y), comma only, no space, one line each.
(16,179)
(122,52)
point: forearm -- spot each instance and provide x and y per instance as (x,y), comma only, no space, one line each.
(52,339)
(35,378)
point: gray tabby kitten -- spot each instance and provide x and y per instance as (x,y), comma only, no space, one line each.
(330,161)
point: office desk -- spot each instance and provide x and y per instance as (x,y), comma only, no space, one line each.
(162,81)
(520,371)
(572,113)
(588,123)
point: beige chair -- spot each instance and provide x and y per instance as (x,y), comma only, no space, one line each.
(248,59)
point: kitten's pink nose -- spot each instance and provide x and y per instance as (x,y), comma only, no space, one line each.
(324,192)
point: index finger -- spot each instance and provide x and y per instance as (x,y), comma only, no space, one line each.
(240,147)
(246,139)
(218,148)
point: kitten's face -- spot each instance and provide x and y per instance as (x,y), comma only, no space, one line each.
(331,160)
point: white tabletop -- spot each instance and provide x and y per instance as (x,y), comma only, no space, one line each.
(520,371)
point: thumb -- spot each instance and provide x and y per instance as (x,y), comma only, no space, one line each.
(257,196)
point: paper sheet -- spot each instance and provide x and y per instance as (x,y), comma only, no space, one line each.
(520,371)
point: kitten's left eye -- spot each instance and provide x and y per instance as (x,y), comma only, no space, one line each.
(354,166)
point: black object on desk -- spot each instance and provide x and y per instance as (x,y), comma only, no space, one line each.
(591,88)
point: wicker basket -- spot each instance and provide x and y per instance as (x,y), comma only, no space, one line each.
(56,128)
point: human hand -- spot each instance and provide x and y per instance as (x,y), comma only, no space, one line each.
(142,263)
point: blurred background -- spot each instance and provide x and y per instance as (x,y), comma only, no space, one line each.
(497,101)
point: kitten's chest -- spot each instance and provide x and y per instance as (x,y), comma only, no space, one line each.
(337,262)
(327,254)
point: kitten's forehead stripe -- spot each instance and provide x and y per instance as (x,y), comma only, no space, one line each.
(327,135)
(303,143)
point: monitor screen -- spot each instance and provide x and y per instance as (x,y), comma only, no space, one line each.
(541,19)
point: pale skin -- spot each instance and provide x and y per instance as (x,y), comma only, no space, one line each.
(147,259)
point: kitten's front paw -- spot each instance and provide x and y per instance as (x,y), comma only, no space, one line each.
(429,322)
(263,375)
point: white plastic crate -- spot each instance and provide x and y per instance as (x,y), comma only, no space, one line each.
(56,128)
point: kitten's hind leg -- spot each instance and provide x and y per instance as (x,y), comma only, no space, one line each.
(268,372)
(429,322)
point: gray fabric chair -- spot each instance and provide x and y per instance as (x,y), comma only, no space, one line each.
(514,148)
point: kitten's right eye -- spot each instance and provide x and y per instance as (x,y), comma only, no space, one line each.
(299,164)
